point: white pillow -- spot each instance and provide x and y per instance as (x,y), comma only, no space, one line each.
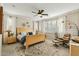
(34,33)
(23,34)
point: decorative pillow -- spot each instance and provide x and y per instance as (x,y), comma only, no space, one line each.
(19,37)
(30,33)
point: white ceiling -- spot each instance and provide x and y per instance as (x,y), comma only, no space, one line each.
(52,9)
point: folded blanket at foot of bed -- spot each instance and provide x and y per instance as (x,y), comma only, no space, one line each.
(23,40)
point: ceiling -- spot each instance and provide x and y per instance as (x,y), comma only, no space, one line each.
(25,9)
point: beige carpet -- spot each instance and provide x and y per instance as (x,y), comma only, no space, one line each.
(42,49)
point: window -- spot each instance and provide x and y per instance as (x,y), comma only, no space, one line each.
(50,26)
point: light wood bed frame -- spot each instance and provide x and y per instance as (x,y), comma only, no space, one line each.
(31,39)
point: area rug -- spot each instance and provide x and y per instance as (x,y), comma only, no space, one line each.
(42,49)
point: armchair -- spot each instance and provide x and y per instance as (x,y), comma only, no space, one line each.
(62,41)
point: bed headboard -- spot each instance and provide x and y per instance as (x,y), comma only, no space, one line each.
(21,29)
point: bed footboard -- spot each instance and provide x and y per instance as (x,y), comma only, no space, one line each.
(32,39)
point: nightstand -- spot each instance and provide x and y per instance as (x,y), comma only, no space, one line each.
(11,39)
(74,46)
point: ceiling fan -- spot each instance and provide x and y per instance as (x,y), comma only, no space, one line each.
(40,13)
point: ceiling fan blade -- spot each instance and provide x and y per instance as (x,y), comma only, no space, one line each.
(34,12)
(45,14)
(40,11)
(36,15)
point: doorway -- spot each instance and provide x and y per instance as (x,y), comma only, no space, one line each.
(1,18)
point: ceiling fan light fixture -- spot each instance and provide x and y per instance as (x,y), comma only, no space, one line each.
(40,13)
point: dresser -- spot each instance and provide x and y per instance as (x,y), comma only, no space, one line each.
(11,39)
(74,49)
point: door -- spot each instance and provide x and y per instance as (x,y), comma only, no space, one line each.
(1,17)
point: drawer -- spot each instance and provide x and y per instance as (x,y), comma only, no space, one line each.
(11,39)
(74,50)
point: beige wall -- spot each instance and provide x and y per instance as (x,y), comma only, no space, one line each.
(27,22)
(0,4)
(73,19)
(9,23)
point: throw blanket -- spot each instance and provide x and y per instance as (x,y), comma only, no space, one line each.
(23,39)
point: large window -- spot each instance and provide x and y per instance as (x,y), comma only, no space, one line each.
(61,26)
(49,26)
(53,26)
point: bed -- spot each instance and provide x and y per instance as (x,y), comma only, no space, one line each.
(31,39)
